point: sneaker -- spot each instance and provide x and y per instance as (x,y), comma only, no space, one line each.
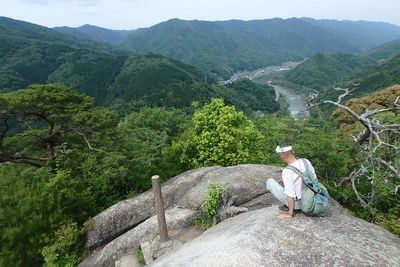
(286,208)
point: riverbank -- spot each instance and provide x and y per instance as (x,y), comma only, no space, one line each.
(296,101)
(297,104)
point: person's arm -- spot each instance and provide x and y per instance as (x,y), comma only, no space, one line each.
(290,213)
(289,190)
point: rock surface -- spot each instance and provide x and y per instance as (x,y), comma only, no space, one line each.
(128,261)
(260,238)
(187,190)
(126,214)
(124,225)
(254,238)
(176,218)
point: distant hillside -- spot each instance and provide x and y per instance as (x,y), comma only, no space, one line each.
(379,77)
(223,47)
(385,51)
(32,54)
(369,33)
(153,80)
(94,33)
(11,29)
(157,81)
(372,78)
(245,92)
(323,70)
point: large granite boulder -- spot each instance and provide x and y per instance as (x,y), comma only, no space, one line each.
(260,238)
(176,218)
(254,238)
(244,182)
(188,190)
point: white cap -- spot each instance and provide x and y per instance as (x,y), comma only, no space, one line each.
(283,149)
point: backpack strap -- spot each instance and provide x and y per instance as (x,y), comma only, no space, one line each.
(306,165)
(297,171)
(294,169)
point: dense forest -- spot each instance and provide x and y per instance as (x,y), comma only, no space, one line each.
(224,47)
(85,124)
(374,70)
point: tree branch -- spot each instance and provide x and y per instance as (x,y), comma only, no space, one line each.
(373,137)
(352,177)
(395,172)
(23,159)
(83,135)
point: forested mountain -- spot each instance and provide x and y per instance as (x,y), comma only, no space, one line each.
(28,32)
(84,124)
(385,51)
(369,33)
(31,54)
(379,76)
(95,33)
(371,79)
(223,47)
(322,70)
(375,69)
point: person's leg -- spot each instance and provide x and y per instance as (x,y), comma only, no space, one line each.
(278,191)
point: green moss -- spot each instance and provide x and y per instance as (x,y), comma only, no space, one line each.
(139,255)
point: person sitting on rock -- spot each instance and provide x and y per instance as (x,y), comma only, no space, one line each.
(290,193)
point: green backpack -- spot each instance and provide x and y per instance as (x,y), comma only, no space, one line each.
(314,196)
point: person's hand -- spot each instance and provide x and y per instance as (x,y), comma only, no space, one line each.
(285,215)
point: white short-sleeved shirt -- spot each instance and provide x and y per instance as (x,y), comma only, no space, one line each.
(293,186)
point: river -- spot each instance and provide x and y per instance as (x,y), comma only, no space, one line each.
(296,101)
(297,104)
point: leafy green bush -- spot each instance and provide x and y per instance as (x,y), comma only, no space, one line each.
(65,249)
(221,136)
(209,207)
(389,221)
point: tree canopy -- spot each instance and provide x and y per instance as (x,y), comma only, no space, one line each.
(221,136)
(46,116)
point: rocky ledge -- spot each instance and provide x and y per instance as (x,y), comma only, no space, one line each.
(253,238)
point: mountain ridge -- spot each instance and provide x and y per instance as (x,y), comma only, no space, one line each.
(373,70)
(96,33)
(127,81)
(224,47)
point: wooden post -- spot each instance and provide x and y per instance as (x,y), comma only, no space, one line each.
(162,225)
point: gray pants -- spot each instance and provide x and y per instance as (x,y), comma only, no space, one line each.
(278,191)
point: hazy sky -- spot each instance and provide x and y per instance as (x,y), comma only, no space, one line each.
(132,14)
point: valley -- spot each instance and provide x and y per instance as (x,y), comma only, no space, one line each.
(294,98)
(88,115)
